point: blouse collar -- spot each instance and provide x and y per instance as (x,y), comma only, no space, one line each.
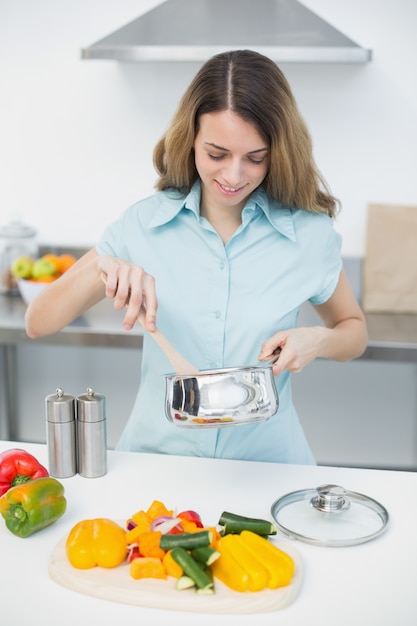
(279,215)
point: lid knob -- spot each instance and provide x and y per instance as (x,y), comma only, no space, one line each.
(330,499)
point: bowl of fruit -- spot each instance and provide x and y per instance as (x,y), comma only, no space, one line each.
(34,275)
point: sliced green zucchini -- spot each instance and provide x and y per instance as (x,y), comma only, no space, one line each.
(205,555)
(191,568)
(207,569)
(189,541)
(184,582)
(234,524)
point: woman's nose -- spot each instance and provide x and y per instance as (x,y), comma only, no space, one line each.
(233,172)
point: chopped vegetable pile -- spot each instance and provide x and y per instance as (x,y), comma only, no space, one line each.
(157,543)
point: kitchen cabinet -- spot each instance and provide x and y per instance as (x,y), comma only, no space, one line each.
(359,413)
(113,372)
(362,413)
(93,351)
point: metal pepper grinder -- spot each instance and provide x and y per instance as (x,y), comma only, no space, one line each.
(60,434)
(91,434)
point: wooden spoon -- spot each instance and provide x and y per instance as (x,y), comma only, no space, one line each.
(181,366)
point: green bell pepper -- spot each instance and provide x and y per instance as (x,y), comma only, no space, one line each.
(31,506)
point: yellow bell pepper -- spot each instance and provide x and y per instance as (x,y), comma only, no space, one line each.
(279,564)
(147,567)
(149,544)
(158,509)
(228,570)
(96,542)
(171,567)
(258,576)
(249,562)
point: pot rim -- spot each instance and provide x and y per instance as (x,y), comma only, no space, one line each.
(219,371)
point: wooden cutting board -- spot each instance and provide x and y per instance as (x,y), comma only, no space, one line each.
(117,585)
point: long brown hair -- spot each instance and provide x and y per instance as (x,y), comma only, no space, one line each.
(252,86)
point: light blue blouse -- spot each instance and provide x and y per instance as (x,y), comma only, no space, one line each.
(217,304)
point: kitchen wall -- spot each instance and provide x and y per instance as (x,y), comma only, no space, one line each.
(77,136)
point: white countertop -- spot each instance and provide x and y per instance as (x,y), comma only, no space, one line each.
(372,583)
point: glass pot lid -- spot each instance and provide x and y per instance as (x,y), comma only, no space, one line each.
(329,516)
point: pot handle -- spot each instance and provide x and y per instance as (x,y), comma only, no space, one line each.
(274,357)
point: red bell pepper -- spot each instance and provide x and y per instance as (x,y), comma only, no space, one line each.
(18,466)
(191,516)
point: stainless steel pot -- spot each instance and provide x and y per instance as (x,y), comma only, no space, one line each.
(221,397)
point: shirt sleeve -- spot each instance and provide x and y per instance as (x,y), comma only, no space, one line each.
(332,264)
(115,238)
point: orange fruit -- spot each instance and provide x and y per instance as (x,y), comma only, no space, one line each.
(65,261)
(46,279)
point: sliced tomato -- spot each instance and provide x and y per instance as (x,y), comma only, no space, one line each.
(177,530)
(130,524)
(133,553)
(191,516)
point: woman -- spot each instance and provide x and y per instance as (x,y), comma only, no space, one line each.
(238,235)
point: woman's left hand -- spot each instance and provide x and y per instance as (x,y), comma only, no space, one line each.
(342,337)
(299,347)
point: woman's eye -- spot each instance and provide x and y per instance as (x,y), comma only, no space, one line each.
(257,161)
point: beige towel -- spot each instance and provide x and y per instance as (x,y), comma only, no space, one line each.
(390,264)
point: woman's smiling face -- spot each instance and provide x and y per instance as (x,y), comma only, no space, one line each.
(231,158)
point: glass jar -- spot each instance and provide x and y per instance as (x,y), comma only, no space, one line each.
(16,240)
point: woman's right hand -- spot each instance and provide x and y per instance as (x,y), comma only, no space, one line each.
(130,287)
(81,287)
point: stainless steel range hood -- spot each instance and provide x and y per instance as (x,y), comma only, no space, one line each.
(194,30)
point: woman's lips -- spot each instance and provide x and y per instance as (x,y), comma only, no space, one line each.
(229,190)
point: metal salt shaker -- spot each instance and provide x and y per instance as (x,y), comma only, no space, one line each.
(61,435)
(91,434)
